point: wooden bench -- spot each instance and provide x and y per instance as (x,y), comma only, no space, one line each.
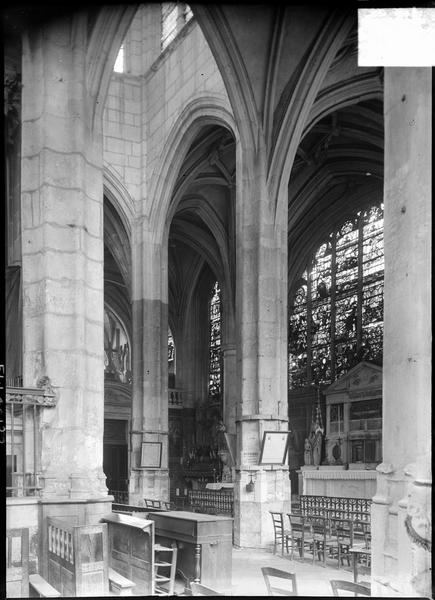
(77,558)
(40,588)
(119,584)
(130,550)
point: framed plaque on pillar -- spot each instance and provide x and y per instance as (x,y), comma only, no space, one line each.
(151,455)
(274,447)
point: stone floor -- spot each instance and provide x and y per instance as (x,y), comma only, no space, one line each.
(312,580)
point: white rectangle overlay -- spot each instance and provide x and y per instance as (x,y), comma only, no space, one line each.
(396,37)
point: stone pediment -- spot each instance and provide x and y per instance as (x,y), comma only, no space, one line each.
(364,376)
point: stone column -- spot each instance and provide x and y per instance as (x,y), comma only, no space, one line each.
(401,517)
(229,387)
(149,421)
(261,315)
(62,257)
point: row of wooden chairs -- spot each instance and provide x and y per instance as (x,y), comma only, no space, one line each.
(283,583)
(320,537)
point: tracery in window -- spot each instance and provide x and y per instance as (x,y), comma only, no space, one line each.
(174,16)
(336,319)
(215,363)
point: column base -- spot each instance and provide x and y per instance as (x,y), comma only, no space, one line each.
(76,485)
(148,483)
(270,491)
(401,531)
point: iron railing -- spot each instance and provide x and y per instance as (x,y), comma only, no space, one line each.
(23,412)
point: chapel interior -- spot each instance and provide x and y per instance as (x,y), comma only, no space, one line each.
(217,293)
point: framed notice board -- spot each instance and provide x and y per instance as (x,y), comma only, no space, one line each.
(151,456)
(274,447)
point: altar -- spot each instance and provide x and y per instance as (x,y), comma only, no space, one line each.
(353,437)
(338,481)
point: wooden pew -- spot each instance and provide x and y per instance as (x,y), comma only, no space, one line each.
(40,588)
(131,550)
(120,585)
(77,558)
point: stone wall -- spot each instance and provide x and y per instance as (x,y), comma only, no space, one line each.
(144,103)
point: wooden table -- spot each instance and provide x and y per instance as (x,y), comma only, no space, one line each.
(204,542)
(356,551)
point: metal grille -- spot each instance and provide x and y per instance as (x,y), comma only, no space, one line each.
(212,502)
(119,497)
(335,506)
(23,411)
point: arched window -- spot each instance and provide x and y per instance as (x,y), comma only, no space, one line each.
(174,16)
(336,318)
(215,363)
(171,360)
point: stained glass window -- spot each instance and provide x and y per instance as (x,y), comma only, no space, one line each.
(336,318)
(171,347)
(215,363)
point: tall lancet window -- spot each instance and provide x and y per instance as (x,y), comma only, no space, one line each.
(215,361)
(336,317)
(171,360)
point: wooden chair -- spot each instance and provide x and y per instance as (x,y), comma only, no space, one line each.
(281,534)
(318,541)
(288,580)
(298,536)
(348,586)
(165,567)
(343,530)
(202,590)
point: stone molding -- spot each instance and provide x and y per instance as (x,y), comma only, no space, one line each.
(40,397)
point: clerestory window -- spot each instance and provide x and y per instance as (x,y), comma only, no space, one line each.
(174,16)
(336,318)
(215,361)
(119,66)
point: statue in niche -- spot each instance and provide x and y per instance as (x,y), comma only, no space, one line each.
(308,453)
(226,469)
(316,444)
(336,452)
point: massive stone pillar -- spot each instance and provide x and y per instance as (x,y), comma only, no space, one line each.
(62,257)
(401,519)
(261,317)
(149,424)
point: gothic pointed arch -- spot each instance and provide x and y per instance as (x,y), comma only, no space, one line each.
(200,112)
(106,30)
(292,113)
